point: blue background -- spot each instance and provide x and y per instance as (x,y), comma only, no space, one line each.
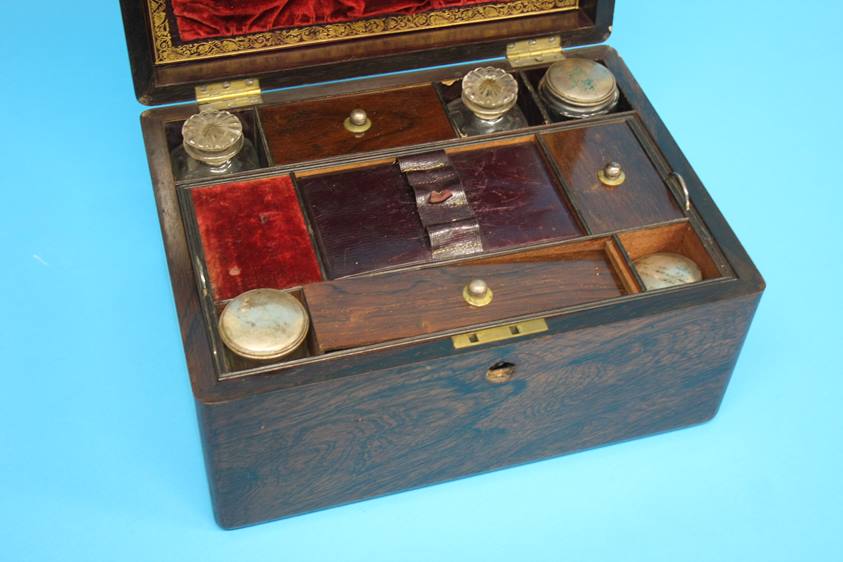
(99,448)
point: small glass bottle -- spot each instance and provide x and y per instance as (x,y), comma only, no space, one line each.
(488,103)
(213,144)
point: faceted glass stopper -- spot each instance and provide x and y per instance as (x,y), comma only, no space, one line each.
(666,269)
(263,324)
(489,92)
(213,137)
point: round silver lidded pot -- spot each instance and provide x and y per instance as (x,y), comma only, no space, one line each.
(666,269)
(264,324)
(577,88)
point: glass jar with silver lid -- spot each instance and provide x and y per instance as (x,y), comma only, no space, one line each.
(576,88)
(213,144)
(488,103)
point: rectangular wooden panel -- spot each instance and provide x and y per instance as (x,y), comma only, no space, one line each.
(306,448)
(313,129)
(362,311)
(642,199)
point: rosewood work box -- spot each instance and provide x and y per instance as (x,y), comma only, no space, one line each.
(394,265)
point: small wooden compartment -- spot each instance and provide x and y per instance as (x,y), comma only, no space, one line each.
(410,304)
(314,130)
(403,380)
(643,198)
(678,238)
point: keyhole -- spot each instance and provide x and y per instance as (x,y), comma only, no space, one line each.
(501,372)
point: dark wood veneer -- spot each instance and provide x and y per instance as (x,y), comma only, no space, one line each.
(287,452)
(411,303)
(313,130)
(643,199)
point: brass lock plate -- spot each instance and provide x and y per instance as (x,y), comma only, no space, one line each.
(499,333)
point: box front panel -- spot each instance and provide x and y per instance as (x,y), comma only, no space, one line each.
(311,447)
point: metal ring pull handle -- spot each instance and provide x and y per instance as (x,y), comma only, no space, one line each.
(684,186)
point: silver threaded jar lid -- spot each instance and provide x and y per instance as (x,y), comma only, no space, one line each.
(263,324)
(576,87)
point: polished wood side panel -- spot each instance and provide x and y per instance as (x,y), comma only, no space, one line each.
(360,311)
(312,130)
(643,199)
(302,449)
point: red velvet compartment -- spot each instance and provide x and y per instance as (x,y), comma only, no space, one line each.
(254,235)
(205,19)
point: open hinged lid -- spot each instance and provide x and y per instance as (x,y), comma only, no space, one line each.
(177,45)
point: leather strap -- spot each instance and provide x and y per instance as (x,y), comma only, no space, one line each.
(443,207)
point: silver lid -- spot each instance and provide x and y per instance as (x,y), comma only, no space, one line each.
(666,269)
(263,324)
(489,92)
(213,137)
(577,87)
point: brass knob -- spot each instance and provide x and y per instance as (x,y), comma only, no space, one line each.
(500,373)
(477,293)
(612,175)
(357,121)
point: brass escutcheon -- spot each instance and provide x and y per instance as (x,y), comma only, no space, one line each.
(500,373)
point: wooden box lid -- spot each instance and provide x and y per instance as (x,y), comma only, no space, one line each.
(176,45)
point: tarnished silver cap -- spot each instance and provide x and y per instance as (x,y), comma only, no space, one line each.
(213,137)
(263,324)
(489,92)
(578,88)
(666,269)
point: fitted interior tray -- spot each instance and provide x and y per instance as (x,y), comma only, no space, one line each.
(411,303)
(339,228)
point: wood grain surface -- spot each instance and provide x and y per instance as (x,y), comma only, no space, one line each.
(643,199)
(360,311)
(287,452)
(348,425)
(312,130)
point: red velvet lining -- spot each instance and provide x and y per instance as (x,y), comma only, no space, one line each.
(254,235)
(204,19)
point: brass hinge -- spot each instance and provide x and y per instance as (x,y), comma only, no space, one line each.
(534,51)
(499,333)
(229,94)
